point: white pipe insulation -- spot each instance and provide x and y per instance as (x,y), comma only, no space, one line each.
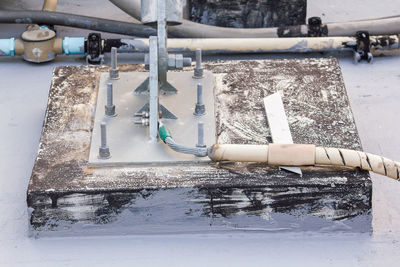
(261,45)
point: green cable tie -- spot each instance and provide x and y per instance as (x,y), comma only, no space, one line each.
(164,133)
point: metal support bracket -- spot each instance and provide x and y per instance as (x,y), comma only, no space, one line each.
(164,113)
(165,87)
(129,142)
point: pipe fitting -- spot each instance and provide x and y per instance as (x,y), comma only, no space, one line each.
(73,45)
(40,44)
(7,47)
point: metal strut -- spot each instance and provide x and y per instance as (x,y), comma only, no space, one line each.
(157,80)
(162,52)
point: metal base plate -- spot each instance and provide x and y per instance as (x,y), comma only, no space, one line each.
(129,143)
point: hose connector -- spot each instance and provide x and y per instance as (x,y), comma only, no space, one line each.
(7,47)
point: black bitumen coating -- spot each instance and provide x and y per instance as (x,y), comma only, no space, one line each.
(318,111)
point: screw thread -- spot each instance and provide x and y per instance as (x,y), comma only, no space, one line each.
(103,135)
(198,58)
(200,134)
(199,94)
(114,57)
(109,94)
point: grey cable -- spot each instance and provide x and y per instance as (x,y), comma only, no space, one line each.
(75,21)
(198,151)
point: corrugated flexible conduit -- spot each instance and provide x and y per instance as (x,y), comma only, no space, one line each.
(305,155)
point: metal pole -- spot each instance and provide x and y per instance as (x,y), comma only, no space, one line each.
(162,41)
(154,89)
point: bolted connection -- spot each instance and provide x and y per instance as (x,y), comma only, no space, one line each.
(200,135)
(104,151)
(110,107)
(200,108)
(144,122)
(198,70)
(114,72)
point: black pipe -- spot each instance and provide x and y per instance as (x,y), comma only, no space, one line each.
(76,21)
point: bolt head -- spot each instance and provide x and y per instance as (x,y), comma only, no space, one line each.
(104,153)
(110,111)
(198,73)
(114,74)
(199,110)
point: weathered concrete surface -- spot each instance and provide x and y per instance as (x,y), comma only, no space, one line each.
(248,13)
(227,196)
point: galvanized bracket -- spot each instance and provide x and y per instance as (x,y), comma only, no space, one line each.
(164,113)
(165,87)
(162,57)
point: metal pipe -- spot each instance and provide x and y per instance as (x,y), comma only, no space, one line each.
(154,90)
(76,21)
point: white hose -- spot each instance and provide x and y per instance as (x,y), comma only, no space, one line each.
(261,45)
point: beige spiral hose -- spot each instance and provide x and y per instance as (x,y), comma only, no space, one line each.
(49,5)
(305,155)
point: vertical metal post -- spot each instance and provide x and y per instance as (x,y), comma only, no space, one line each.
(154,90)
(162,41)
